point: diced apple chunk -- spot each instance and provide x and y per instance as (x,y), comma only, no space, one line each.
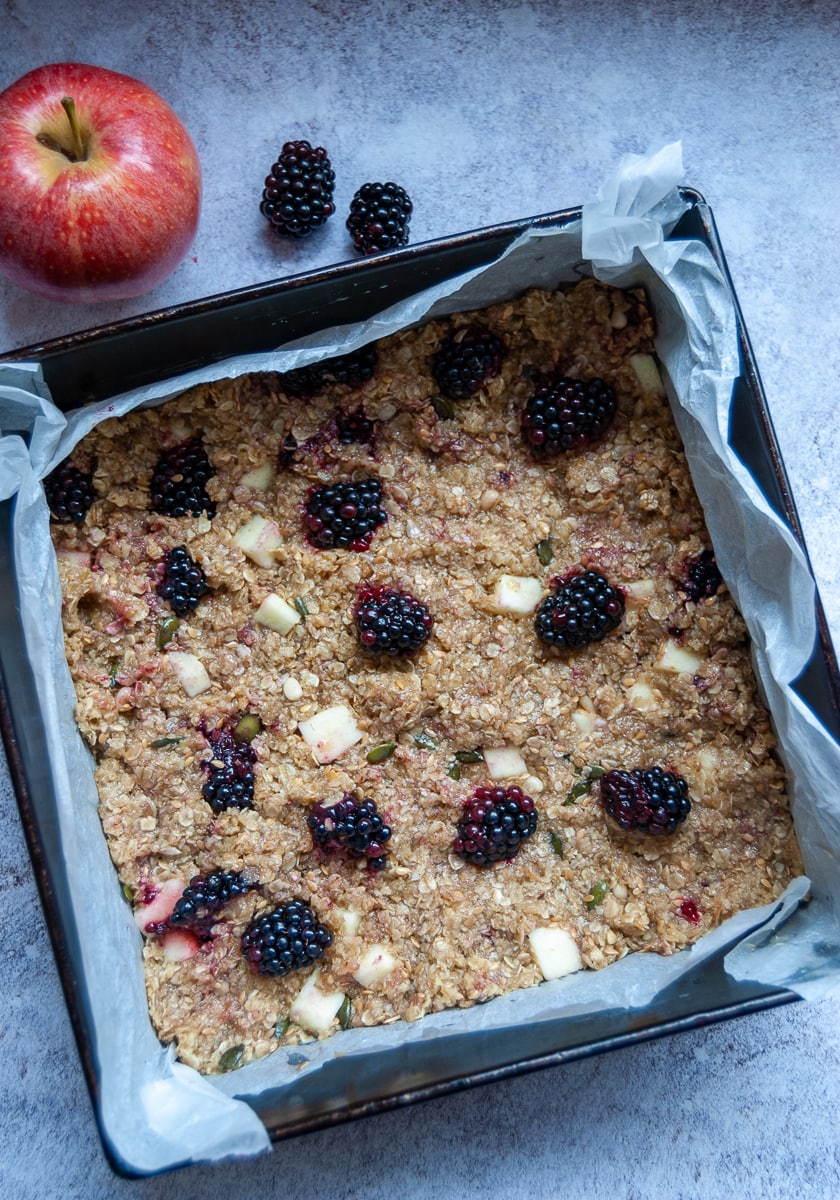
(647,373)
(258,538)
(505,762)
(641,696)
(330,733)
(259,478)
(516,594)
(179,945)
(348,920)
(375,964)
(639,589)
(276,613)
(190,671)
(160,906)
(314,1010)
(673,658)
(555,952)
(74,558)
(585,720)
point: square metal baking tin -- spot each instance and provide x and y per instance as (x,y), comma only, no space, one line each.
(101,363)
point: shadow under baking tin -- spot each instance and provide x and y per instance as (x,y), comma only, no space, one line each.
(103,362)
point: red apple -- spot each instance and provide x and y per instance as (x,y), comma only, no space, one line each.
(100,184)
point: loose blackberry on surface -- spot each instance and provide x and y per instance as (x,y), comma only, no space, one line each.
(178,482)
(230,782)
(466,360)
(69,493)
(344,515)
(494,823)
(379,217)
(651,799)
(390,621)
(582,609)
(183,583)
(568,414)
(285,939)
(206,895)
(298,193)
(351,825)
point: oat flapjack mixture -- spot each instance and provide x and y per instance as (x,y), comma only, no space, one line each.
(410,678)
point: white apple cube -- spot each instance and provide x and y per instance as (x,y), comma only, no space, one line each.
(179,945)
(190,671)
(505,762)
(647,373)
(674,659)
(348,920)
(639,589)
(276,613)
(258,538)
(259,478)
(315,1010)
(555,952)
(374,965)
(330,733)
(641,696)
(585,720)
(74,558)
(516,594)
(160,906)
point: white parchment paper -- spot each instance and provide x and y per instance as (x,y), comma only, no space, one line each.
(158,1113)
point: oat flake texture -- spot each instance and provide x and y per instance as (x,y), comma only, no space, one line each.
(467,503)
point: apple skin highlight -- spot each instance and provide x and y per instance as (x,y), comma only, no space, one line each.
(112,225)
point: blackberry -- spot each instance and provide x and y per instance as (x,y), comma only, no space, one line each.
(177,486)
(230,782)
(494,823)
(69,493)
(286,456)
(302,383)
(353,427)
(465,360)
(702,577)
(183,583)
(379,217)
(352,825)
(298,193)
(583,608)
(344,515)
(285,939)
(568,414)
(651,799)
(353,370)
(206,895)
(390,621)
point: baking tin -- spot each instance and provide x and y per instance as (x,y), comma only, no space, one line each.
(100,363)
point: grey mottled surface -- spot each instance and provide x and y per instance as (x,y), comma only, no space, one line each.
(485,112)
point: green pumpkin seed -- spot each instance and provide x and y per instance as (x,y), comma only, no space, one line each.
(545,551)
(166,631)
(443,408)
(247,727)
(231,1058)
(378,754)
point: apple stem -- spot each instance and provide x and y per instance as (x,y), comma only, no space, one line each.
(78,145)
